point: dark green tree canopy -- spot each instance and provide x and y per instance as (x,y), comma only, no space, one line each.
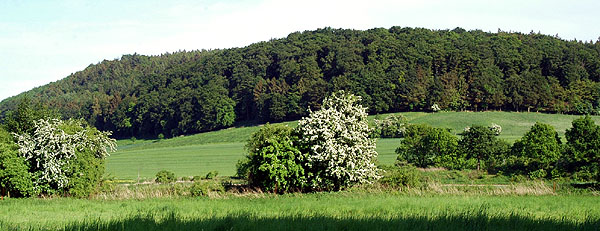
(395,69)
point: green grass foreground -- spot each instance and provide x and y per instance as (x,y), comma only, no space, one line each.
(220,150)
(320,211)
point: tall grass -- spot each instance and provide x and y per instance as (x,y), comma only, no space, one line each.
(467,220)
(319,211)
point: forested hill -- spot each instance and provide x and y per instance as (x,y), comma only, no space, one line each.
(396,69)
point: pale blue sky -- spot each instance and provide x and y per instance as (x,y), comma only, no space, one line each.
(44,41)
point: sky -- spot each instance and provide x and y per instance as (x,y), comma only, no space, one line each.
(44,41)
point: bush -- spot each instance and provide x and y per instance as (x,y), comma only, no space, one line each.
(426,146)
(15,178)
(337,140)
(273,162)
(164,176)
(500,153)
(65,156)
(85,174)
(583,145)
(204,188)
(585,174)
(392,126)
(480,142)
(404,176)
(517,178)
(539,149)
(197,178)
(185,178)
(211,175)
(412,138)
(329,150)
(537,174)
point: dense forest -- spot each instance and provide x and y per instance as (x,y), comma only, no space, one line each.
(396,69)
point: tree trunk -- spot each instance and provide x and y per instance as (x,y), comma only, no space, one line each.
(478,164)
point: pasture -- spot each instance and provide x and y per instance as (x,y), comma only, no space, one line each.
(220,150)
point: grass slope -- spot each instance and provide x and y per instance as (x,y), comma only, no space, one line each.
(320,211)
(189,160)
(220,150)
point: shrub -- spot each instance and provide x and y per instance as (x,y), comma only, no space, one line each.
(404,176)
(500,150)
(583,144)
(85,174)
(336,138)
(539,149)
(65,156)
(164,176)
(480,142)
(412,138)
(204,188)
(392,126)
(537,174)
(197,178)
(185,178)
(517,178)
(273,162)
(242,168)
(426,146)
(15,178)
(585,174)
(211,175)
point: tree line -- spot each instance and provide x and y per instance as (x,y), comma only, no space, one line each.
(395,69)
(540,153)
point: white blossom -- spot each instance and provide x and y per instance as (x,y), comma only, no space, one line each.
(497,129)
(338,138)
(50,148)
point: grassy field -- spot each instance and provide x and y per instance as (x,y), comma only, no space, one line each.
(321,211)
(192,160)
(188,160)
(220,150)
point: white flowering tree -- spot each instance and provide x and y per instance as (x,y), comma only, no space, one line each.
(393,126)
(53,146)
(341,153)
